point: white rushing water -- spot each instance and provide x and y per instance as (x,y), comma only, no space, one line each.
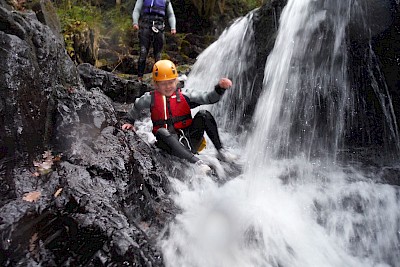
(294,204)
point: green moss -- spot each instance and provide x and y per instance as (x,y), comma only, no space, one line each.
(117,26)
(71,13)
(184,68)
(124,76)
(179,38)
(101,62)
(164,55)
(208,9)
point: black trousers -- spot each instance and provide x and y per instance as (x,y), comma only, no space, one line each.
(148,37)
(203,121)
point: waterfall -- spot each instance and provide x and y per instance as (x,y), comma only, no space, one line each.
(306,89)
(230,56)
(294,204)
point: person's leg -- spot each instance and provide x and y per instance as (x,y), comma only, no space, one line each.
(158,44)
(203,121)
(144,42)
(170,143)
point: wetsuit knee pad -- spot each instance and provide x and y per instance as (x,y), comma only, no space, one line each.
(205,114)
(163,132)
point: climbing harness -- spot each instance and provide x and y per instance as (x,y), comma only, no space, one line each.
(154,28)
(184,138)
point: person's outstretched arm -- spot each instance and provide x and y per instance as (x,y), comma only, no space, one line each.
(200,98)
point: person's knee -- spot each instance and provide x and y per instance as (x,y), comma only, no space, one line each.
(162,132)
(205,114)
(143,51)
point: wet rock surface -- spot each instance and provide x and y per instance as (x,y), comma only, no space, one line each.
(75,189)
(118,89)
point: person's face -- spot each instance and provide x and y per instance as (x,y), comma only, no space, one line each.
(166,88)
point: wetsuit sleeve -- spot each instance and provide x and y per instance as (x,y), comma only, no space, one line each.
(171,16)
(136,11)
(140,104)
(203,98)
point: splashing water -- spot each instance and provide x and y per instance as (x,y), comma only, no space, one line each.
(294,205)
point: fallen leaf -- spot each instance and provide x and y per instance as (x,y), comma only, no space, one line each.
(47,165)
(58,192)
(32,242)
(47,154)
(32,196)
(57,158)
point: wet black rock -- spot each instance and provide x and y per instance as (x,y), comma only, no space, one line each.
(118,89)
(75,189)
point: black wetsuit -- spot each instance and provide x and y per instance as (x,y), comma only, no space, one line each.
(147,35)
(190,137)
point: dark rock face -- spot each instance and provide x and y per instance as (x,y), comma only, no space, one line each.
(374,63)
(118,89)
(266,23)
(101,197)
(32,56)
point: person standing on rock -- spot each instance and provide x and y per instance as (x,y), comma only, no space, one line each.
(148,17)
(176,131)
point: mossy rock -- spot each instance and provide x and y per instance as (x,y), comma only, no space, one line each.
(184,69)
(185,48)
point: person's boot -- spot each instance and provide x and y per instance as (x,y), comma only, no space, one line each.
(225,156)
(204,168)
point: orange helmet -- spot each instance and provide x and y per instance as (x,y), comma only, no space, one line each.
(164,70)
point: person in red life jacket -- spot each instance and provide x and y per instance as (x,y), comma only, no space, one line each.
(151,28)
(176,131)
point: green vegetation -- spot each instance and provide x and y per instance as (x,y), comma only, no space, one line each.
(209,8)
(71,11)
(75,17)
(117,26)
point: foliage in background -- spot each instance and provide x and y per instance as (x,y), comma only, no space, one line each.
(208,8)
(22,4)
(75,17)
(117,25)
(112,24)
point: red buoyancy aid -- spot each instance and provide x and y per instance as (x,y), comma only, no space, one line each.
(173,110)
